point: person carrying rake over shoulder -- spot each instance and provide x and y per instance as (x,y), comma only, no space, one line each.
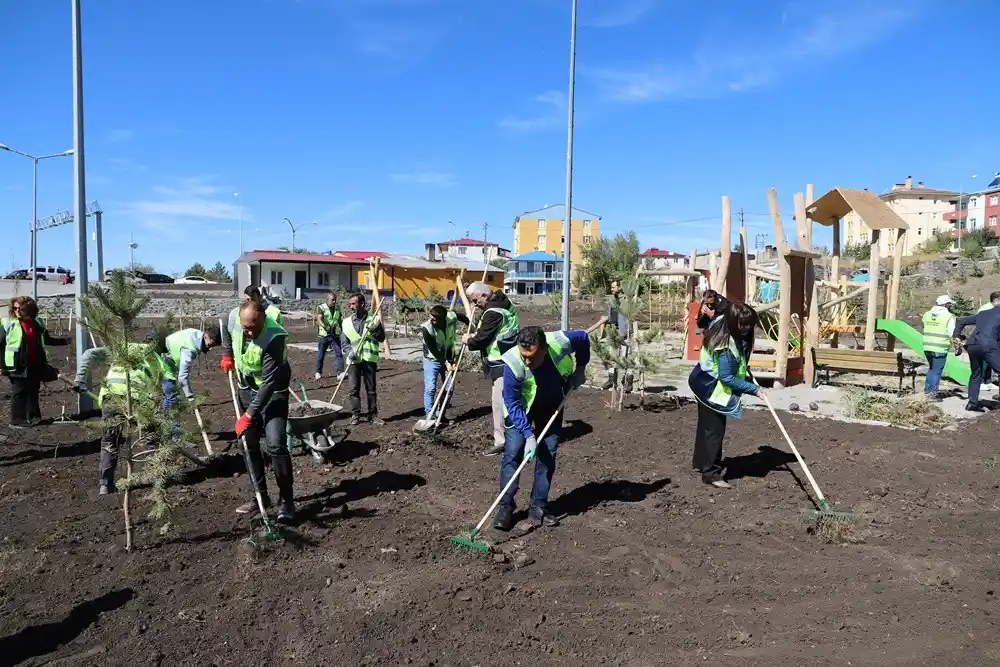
(718,382)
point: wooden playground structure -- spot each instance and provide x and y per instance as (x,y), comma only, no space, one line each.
(808,310)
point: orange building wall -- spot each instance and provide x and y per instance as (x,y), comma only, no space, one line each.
(417,283)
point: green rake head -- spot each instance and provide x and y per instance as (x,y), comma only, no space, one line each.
(834,526)
(471,542)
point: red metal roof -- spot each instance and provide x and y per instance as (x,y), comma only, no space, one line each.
(282,256)
(656,252)
(362,255)
(469,242)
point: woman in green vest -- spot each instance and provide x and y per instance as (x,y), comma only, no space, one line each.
(24,361)
(718,382)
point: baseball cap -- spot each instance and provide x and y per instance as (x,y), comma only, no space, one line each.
(943,300)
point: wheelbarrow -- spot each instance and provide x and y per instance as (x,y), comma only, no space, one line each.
(316,432)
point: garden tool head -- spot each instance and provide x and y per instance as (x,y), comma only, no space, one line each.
(470,541)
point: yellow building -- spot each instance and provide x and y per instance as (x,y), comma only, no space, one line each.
(546,235)
(411,277)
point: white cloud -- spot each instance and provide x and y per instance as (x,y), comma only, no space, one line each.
(191,201)
(120,135)
(614,13)
(127,164)
(434,178)
(553,100)
(343,210)
(717,69)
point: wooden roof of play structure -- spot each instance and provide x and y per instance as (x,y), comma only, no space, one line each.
(838,202)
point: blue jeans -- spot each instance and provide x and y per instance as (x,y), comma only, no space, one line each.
(433,371)
(935,367)
(545,464)
(326,342)
(169,388)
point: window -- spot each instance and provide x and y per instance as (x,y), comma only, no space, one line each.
(531,267)
(586,224)
(863,237)
(541,241)
(461,250)
(323,278)
(541,222)
(994,200)
(587,240)
(993,221)
(972,223)
(276,277)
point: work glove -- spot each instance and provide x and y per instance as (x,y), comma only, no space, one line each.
(341,376)
(450,366)
(351,357)
(578,378)
(530,445)
(227,363)
(242,424)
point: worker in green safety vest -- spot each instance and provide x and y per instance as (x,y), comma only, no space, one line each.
(183,348)
(24,361)
(719,381)
(938,329)
(328,330)
(111,400)
(494,335)
(362,333)
(538,371)
(439,333)
(258,354)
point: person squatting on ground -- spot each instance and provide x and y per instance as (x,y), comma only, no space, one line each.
(24,361)
(258,356)
(328,330)
(363,333)
(538,372)
(110,400)
(439,333)
(496,334)
(624,327)
(718,382)
(984,350)
(938,327)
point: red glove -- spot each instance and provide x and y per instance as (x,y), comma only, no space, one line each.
(242,424)
(227,363)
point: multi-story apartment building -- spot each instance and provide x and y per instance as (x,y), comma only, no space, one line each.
(977,210)
(472,250)
(925,210)
(546,235)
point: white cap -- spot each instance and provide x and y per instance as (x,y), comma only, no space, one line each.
(944,300)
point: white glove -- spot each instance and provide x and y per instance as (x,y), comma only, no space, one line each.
(350,357)
(530,445)
(341,376)
(579,378)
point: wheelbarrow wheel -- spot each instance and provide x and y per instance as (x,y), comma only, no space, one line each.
(322,444)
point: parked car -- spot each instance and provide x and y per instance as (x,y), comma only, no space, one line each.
(129,275)
(155,278)
(194,280)
(20,274)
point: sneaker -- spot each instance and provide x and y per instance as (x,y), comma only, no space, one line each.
(251,507)
(355,420)
(720,484)
(504,519)
(287,512)
(20,426)
(317,376)
(374,420)
(494,450)
(107,489)
(540,517)
(974,407)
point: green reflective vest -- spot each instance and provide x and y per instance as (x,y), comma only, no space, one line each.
(177,342)
(445,338)
(366,350)
(506,334)
(15,356)
(248,353)
(709,362)
(118,381)
(561,353)
(329,319)
(938,328)
(275,314)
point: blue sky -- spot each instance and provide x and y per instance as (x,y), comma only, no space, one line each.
(383,120)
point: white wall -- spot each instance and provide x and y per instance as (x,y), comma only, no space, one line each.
(472,253)
(340,276)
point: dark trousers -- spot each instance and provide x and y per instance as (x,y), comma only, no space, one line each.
(24,397)
(324,343)
(112,439)
(363,372)
(980,360)
(270,424)
(710,432)
(545,462)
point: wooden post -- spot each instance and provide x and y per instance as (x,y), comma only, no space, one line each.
(810,194)
(713,272)
(727,244)
(892,304)
(801,223)
(835,253)
(747,293)
(872,292)
(784,288)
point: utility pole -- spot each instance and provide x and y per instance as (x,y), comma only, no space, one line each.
(79,196)
(567,236)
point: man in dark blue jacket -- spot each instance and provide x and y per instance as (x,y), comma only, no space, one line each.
(984,350)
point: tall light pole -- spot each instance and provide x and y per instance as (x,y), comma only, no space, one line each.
(295,229)
(240,200)
(131,254)
(34,209)
(79,195)
(567,238)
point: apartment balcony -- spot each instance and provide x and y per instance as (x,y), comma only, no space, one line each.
(952,216)
(514,276)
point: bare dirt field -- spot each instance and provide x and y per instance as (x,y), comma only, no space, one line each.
(649,566)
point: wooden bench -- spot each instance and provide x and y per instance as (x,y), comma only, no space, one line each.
(862,361)
(762,366)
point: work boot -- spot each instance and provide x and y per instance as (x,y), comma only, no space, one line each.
(609,383)
(974,407)
(494,450)
(628,383)
(317,376)
(287,512)
(251,507)
(539,517)
(504,519)
(355,420)
(107,489)
(374,420)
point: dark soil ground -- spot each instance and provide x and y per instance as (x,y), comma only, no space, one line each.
(649,566)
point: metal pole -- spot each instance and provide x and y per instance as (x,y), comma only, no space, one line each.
(34,232)
(99,240)
(567,237)
(958,220)
(79,196)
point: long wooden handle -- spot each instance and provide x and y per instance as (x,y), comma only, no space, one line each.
(201,425)
(795,450)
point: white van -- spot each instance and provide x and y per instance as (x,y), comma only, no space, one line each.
(56,273)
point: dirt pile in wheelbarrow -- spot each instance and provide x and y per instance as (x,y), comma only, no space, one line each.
(306,410)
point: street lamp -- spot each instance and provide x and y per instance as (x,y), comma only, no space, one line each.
(240,200)
(34,209)
(131,255)
(295,229)
(569,167)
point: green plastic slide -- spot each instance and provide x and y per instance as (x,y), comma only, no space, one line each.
(954,368)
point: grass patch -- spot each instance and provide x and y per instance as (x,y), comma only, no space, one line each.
(913,411)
